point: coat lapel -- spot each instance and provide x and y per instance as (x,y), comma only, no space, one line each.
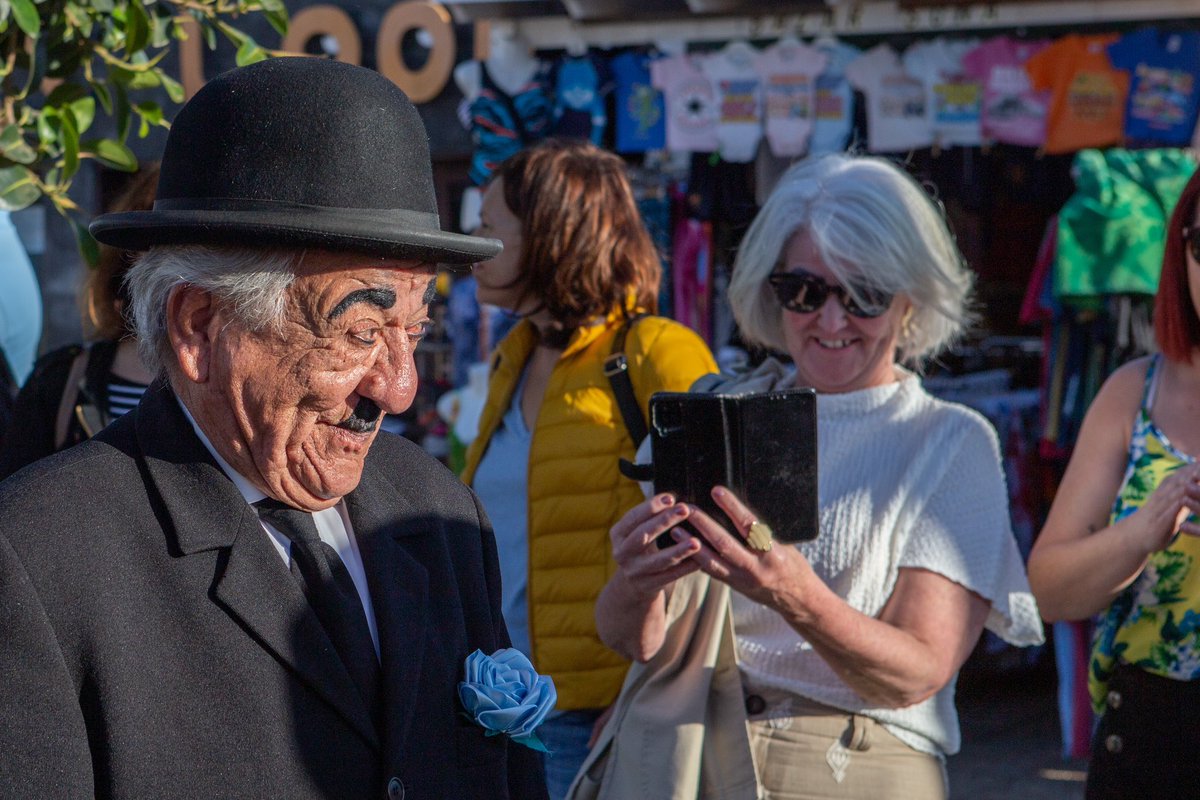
(207,512)
(399,586)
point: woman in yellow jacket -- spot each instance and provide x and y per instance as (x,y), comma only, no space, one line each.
(580,269)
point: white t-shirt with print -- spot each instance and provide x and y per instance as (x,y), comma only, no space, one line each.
(737,81)
(954,102)
(789,73)
(897,117)
(690,103)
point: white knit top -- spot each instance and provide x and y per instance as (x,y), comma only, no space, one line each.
(905,480)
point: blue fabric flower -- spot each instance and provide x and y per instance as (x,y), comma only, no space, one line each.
(503,693)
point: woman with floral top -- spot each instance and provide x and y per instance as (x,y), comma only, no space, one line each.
(1133,560)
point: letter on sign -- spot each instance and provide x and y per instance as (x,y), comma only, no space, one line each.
(324,20)
(426,83)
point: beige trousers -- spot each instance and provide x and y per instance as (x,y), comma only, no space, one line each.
(807,751)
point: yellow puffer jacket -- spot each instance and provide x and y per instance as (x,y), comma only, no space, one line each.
(576,492)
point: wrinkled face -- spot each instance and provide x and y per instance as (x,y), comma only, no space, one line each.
(296,410)
(835,351)
(498,281)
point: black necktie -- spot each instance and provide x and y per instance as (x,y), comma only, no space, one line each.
(331,592)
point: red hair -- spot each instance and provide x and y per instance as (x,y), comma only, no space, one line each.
(1176,325)
(586,247)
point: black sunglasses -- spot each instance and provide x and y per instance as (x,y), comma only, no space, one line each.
(1191,237)
(804,293)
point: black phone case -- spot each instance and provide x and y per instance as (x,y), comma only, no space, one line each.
(761,445)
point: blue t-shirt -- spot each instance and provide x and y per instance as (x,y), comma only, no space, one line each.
(833,106)
(502,483)
(1163,99)
(20,303)
(497,131)
(579,88)
(640,114)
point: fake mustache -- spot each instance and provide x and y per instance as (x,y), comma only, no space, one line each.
(364,417)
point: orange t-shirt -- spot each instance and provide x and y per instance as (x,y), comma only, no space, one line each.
(1087,104)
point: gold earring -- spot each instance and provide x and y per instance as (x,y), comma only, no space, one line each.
(906,326)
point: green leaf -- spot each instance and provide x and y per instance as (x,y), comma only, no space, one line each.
(48,126)
(278,20)
(121,112)
(84,110)
(27,18)
(174,88)
(103,6)
(210,36)
(65,93)
(160,29)
(89,248)
(14,147)
(17,188)
(151,112)
(137,28)
(70,144)
(102,95)
(111,153)
(249,53)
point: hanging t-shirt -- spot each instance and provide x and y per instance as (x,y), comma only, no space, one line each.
(639,113)
(690,103)
(501,124)
(953,98)
(834,103)
(1012,112)
(579,88)
(789,70)
(1163,95)
(897,117)
(1087,103)
(735,76)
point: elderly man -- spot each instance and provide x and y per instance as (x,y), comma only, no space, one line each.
(241,589)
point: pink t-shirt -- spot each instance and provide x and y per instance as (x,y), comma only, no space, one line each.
(690,102)
(789,70)
(1013,112)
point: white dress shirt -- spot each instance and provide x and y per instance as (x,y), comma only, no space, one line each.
(333,526)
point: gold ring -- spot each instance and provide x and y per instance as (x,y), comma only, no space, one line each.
(759,536)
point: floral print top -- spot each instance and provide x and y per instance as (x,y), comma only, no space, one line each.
(1155,623)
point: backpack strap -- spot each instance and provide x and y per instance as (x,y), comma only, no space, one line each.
(616,369)
(71,391)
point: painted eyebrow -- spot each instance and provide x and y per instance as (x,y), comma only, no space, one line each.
(380,298)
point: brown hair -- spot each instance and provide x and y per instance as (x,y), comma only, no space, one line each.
(1176,326)
(104,294)
(586,248)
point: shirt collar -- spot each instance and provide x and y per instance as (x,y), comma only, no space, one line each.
(249,491)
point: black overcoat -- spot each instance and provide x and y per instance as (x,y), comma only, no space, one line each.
(153,644)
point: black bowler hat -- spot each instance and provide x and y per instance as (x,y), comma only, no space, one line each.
(298,152)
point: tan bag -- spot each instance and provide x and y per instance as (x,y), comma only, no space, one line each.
(678,728)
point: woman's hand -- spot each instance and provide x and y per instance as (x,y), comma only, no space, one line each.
(775,578)
(645,568)
(909,652)
(631,609)
(1168,508)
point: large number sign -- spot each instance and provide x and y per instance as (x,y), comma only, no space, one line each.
(422,84)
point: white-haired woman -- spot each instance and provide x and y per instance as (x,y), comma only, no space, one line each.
(848,646)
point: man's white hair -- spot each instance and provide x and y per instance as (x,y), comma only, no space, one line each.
(251,282)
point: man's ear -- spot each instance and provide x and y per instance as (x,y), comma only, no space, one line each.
(191,328)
